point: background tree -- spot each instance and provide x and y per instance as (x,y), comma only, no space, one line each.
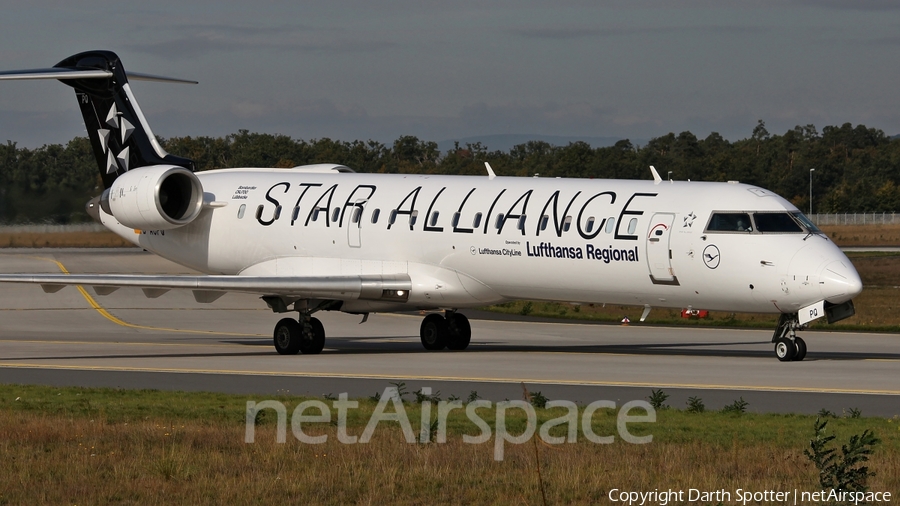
(856,166)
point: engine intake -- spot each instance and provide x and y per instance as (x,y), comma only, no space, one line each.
(158,197)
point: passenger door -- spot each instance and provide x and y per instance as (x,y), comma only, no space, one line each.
(659,253)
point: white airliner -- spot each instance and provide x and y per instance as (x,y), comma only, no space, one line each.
(321,237)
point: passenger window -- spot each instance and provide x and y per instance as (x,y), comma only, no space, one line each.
(567,224)
(413,217)
(434,218)
(277,212)
(544,221)
(590,225)
(632,225)
(393,217)
(295,214)
(259,211)
(455,220)
(499,221)
(610,225)
(375,215)
(315,215)
(335,214)
(521,223)
(776,222)
(730,222)
(241,211)
(356,214)
(477,222)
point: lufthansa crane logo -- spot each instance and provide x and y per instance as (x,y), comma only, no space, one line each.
(711,256)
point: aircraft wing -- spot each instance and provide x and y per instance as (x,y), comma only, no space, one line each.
(393,288)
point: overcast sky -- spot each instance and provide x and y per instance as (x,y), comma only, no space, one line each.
(363,69)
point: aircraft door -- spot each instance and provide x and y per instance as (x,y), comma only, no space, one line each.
(354,225)
(659,253)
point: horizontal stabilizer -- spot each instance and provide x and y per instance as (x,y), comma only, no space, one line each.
(138,76)
(72,73)
(54,73)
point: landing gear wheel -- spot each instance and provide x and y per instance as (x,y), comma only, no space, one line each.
(801,349)
(433,332)
(315,341)
(459,331)
(785,349)
(287,336)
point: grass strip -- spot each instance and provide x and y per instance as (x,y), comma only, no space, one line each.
(108,446)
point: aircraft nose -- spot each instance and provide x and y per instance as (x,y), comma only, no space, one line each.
(839,282)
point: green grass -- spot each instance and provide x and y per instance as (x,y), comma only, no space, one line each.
(108,446)
(117,406)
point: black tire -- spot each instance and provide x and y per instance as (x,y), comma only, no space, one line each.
(459,332)
(287,337)
(785,349)
(433,332)
(801,349)
(315,345)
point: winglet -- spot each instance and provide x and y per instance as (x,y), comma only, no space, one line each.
(491,174)
(656,178)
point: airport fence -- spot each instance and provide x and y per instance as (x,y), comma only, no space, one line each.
(51,229)
(856,219)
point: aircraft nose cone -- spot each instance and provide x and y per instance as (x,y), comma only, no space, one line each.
(839,282)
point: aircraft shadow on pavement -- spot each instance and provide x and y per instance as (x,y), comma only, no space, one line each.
(141,355)
(410,344)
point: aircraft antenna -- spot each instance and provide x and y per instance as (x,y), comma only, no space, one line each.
(491,174)
(656,178)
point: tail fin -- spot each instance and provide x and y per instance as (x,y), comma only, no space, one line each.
(119,133)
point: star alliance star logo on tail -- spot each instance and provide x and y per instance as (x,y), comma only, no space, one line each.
(124,128)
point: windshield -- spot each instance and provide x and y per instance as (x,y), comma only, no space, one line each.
(806,222)
(776,222)
(762,222)
(730,222)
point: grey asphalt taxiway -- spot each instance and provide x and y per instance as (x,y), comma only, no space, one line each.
(75,337)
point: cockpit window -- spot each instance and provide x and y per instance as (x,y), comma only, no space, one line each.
(776,222)
(806,222)
(730,222)
(763,222)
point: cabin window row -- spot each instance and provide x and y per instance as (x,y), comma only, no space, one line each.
(519,221)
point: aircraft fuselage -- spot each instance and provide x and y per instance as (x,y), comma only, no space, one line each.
(469,241)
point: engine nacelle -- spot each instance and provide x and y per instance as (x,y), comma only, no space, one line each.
(157,197)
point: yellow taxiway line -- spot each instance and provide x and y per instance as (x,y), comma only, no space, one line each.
(106,314)
(103,312)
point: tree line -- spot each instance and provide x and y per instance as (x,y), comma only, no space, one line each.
(856,168)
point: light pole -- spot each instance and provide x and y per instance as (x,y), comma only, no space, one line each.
(810,191)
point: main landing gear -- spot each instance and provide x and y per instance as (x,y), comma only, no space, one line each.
(452,331)
(306,336)
(788,346)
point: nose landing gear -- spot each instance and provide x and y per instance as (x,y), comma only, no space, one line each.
(788,346)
